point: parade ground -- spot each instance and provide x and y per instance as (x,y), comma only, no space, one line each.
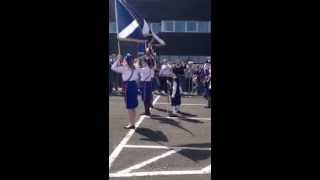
(161,147)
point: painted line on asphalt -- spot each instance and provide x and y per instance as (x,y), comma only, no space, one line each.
(207,169)
(125,140)
(161,103)
(191,118)
(167,147)
(149,161)
(159,173)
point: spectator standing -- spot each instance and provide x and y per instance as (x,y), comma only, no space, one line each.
(179,71)
(164,74)
(188,76)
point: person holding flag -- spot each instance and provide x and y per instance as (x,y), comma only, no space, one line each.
(147,73)
(130,89)
(131,27)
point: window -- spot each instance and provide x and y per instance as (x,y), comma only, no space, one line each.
(180,26)
(167,26)
(112,27)
(203,27)
(163,58)
(176,59)
(191,26)
(156,27)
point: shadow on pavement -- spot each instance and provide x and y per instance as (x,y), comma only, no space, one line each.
(169,111)
(171,122)
(187,114)
(151,135)
(195,155)
(201,145)
(190,120)
(163,110)
(157,117)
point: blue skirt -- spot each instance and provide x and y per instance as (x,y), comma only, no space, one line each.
(147,92)
(130,90)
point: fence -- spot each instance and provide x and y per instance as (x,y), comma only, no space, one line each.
(189,84)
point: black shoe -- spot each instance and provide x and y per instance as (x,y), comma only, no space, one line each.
(207,107)
(129,127)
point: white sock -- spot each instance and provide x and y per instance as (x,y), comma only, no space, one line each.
(174,111)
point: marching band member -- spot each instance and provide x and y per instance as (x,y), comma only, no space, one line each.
(129,76)
(175,94)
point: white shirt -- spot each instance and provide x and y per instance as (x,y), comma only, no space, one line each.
(125,72)
(146,73)
(165,71)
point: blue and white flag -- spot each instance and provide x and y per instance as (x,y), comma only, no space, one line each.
(156,40)
(131,26)
(141,48)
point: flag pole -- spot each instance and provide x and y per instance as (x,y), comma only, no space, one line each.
(169,96)
(119,50)
(117,28)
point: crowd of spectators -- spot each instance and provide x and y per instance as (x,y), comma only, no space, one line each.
(193,77)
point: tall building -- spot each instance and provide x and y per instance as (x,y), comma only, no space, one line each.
(185,26)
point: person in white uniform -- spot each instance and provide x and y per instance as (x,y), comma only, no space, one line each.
(147,73)
(164,75)
(130,89)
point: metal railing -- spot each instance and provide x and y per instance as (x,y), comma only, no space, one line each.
(189,86)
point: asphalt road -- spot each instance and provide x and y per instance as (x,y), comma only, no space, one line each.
(161,147)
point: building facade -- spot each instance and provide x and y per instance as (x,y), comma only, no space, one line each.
(185,26)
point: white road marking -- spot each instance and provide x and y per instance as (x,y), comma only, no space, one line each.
(158,173)
(166,147)
(185,104)
(155,100)
(192,118)
(123,144)
(207,169)
(125,140)
(144,163)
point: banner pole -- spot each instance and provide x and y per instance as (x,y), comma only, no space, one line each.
(117,28)
(119,50)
